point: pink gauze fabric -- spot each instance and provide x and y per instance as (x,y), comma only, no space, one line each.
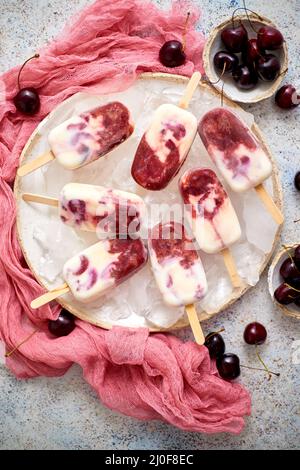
(145,376)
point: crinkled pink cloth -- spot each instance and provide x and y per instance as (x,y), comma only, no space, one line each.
(141,375)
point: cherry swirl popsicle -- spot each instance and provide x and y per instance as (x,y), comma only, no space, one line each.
(178,270)
(238,155)
(166,143)
(96,270)
(85,138)
(95,208)
(211,215)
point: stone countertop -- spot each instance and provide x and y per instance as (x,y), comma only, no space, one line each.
(64,413)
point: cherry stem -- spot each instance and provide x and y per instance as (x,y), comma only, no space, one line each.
(248,18)
(262,362)
(214,333)
(293,288)
(296,221)
(185,31)
(36,56)
(22,342)
(287,249)
(223,71)
(222,95)
(263,370)
(283,72)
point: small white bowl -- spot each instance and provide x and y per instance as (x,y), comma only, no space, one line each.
(214,44)
(275,279)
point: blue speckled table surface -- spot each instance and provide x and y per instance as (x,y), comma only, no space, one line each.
(64,413)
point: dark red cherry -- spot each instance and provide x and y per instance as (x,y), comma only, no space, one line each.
(228,366)
(27,101)
(226,59)
(255,333)
(297,302)
(297,256)
(172,54)
(268,67)
(287,97)
(63,326)
(289,270)
(285,294)
(269,38)
(215,345)
(235,39)
(297,180)
(251,52)
(245,77)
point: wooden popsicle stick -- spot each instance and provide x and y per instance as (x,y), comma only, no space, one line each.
(35,164)
(48,201)
(49,296)
(269,204)
(195,324)
(190,90)
(231,268)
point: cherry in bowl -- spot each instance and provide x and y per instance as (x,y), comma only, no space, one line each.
(226,61)
(285,294)
(235,38)
(268,67)
(269,38)
(245,77)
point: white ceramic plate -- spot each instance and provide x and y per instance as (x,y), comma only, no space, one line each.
(47,243)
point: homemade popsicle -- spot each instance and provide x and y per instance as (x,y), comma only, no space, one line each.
(237,153)
(95,208)
(178,270)
(82,139)
(165,145)
(99,268)
(210,213)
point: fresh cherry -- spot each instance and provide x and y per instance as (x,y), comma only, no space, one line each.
(297,302)
(251,53)
(297,257)
(225,61)
(172,54)
(297,180)
(268,67)
(289,270)
(255,333)
(269,38)
(235,39)
(228,366)
(245,77)
(63,326)
(215,345)
(27,100)
(285,294)
(287,97)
